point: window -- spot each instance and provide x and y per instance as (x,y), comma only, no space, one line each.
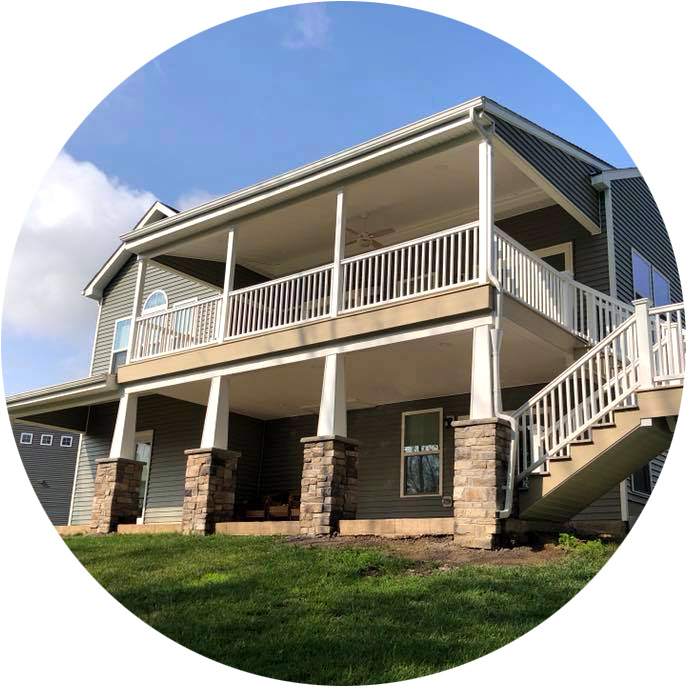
(26,438)
(648,282)
(642,480)
(66,441)
(560,257)
(120,342)
(158,300)
(46,440)
(421,453)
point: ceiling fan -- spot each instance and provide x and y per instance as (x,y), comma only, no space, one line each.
(366,240)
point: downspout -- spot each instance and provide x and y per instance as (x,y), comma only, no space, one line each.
(485,127)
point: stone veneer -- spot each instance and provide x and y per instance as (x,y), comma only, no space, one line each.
(482,452)
(329,484)
(116,494)
(209,489)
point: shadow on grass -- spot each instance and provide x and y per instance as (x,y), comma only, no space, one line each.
(345,616)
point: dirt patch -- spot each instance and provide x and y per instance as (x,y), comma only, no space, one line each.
(438,552)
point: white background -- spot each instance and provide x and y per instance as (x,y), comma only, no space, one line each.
(629,61)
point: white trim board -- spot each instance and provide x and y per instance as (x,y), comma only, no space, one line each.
(603,180)
(266,361)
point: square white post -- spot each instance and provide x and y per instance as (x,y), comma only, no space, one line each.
(333,410)
(567,300)
(481,394)
(123,444)
(142,265)
(486,207)
(215,432)
(644,344)
(592,330)
(338,252)
(228,284)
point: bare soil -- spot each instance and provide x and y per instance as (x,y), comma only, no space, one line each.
(439,552)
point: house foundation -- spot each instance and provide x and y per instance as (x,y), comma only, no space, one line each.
(116,494)
(329,484)
(209,489)
(482,452)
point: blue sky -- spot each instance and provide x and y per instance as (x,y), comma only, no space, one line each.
(238,103)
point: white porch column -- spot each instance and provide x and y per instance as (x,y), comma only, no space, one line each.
(644,343)
(481,395)
(338,251)
(229,282)
(142,265)
(215,433)
(486,205)
(124,435)
(333,410)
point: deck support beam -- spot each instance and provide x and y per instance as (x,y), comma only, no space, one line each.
(228,283)
(215,431)
(142,265)
(481,394)
(338,251)
(333,410)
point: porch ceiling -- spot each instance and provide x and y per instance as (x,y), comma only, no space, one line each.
(431,193)
(419,369)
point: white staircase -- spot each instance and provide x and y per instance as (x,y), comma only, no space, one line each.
(601,419)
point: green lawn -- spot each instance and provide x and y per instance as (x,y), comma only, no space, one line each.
(327,616)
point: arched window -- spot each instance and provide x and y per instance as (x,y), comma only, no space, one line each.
(158,300)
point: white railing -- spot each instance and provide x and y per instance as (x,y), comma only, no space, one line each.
(582,396)
(435,262)
(582,310)
(284,302)
(606,378)
(179,328)
(667,327)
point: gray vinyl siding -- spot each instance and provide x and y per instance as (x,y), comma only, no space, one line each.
(637,501)
(95,444)
(569,175)
(50,469)
(552,225)
(176,426)
(606,508)
(637,224)
(119,295)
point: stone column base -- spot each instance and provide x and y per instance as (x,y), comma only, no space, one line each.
(116,494)
(329,484)
(209,489)
(482,452)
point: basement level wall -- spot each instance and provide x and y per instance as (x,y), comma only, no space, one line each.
(50,468)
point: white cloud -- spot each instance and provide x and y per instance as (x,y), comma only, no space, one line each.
(310,29)
(194,198)
(72,226)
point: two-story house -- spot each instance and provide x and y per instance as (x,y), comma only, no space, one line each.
(466,326)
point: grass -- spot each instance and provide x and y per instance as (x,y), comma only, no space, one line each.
(328,616)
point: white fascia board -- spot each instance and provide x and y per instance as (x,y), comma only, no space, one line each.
(309,353)
(94,289)
(67,394)
(603,180)
(543,134)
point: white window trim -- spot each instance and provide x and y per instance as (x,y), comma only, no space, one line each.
(47,436)
(652,269)
(403,453)
(69,439)
(565,248)
(144,436)
(158,308)
(26,434)
(112,342)
(640,492)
